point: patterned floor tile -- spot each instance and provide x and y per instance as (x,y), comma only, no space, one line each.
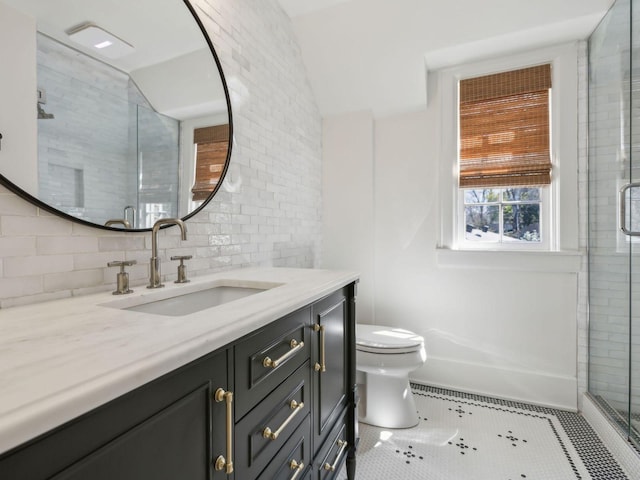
(463,436)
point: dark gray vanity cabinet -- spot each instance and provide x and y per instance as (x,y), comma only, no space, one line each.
(167,429)
(291,413)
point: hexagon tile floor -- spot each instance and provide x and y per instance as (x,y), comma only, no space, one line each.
(471,437)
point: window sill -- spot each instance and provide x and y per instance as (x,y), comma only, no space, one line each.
(562,262)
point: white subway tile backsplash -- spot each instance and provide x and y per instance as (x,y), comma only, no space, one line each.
(85,261)
(29,266)
(17,246)
(63,245)
(12,205)
(121,243)
(39,226)
(218,262)
(20,287)
(73,280)
(220,240)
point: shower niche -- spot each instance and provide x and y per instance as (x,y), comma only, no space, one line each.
(614,217)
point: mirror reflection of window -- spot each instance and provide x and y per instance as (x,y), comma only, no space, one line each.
(210,146)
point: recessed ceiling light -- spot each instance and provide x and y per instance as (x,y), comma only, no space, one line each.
(98,39)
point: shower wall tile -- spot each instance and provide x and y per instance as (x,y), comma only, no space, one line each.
(268,211)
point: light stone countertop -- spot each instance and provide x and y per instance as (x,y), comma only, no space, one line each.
(62,358)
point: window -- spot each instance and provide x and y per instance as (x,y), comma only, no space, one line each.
(559,213)
(502,215)
(504,158)
(211,145)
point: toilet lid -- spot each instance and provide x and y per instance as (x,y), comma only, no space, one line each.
(381,339)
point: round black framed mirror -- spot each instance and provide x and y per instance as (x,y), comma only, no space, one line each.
(114,114)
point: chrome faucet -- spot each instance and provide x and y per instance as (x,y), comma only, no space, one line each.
(154,266)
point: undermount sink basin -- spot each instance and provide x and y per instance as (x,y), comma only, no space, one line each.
(178,303)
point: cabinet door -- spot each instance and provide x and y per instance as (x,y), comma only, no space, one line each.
(330,349)
(180,442)
(171,444)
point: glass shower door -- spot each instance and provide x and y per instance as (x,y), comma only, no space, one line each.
(614,204)
(634,214)
(158,160)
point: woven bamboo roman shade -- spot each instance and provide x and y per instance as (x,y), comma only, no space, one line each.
(504,129)
(212,144)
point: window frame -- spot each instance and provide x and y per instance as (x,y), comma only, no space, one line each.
(561,204)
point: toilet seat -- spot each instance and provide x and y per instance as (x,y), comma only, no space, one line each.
(387,340)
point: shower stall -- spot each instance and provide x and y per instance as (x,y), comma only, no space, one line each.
(614,217)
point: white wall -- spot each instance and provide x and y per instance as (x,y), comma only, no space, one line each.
(504,326)
(348,202)
(268,214)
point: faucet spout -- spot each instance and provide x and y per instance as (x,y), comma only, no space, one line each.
(154,264)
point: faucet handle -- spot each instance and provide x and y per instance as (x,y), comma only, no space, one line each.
(182,268)
(123,277)
(121,263)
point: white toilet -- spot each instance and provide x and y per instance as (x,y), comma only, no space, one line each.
(384,358)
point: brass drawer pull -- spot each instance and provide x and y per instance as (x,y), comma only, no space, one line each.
(221,462)
(298,467)
(295,347)
(296,407)
(332,468)
(320,367)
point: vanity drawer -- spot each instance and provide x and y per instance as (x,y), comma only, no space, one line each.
(333,454)
(279,414)
(292,461)
(285,342)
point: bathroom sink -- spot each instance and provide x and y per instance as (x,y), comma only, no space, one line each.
(180,303)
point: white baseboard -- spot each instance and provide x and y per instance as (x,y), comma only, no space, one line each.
(539,388)
(622,451)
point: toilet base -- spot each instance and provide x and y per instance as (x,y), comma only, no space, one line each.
(387,401)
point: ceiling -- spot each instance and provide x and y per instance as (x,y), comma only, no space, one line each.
(168,32)
(371,55)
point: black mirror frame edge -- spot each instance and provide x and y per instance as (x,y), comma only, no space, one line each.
(40,204)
